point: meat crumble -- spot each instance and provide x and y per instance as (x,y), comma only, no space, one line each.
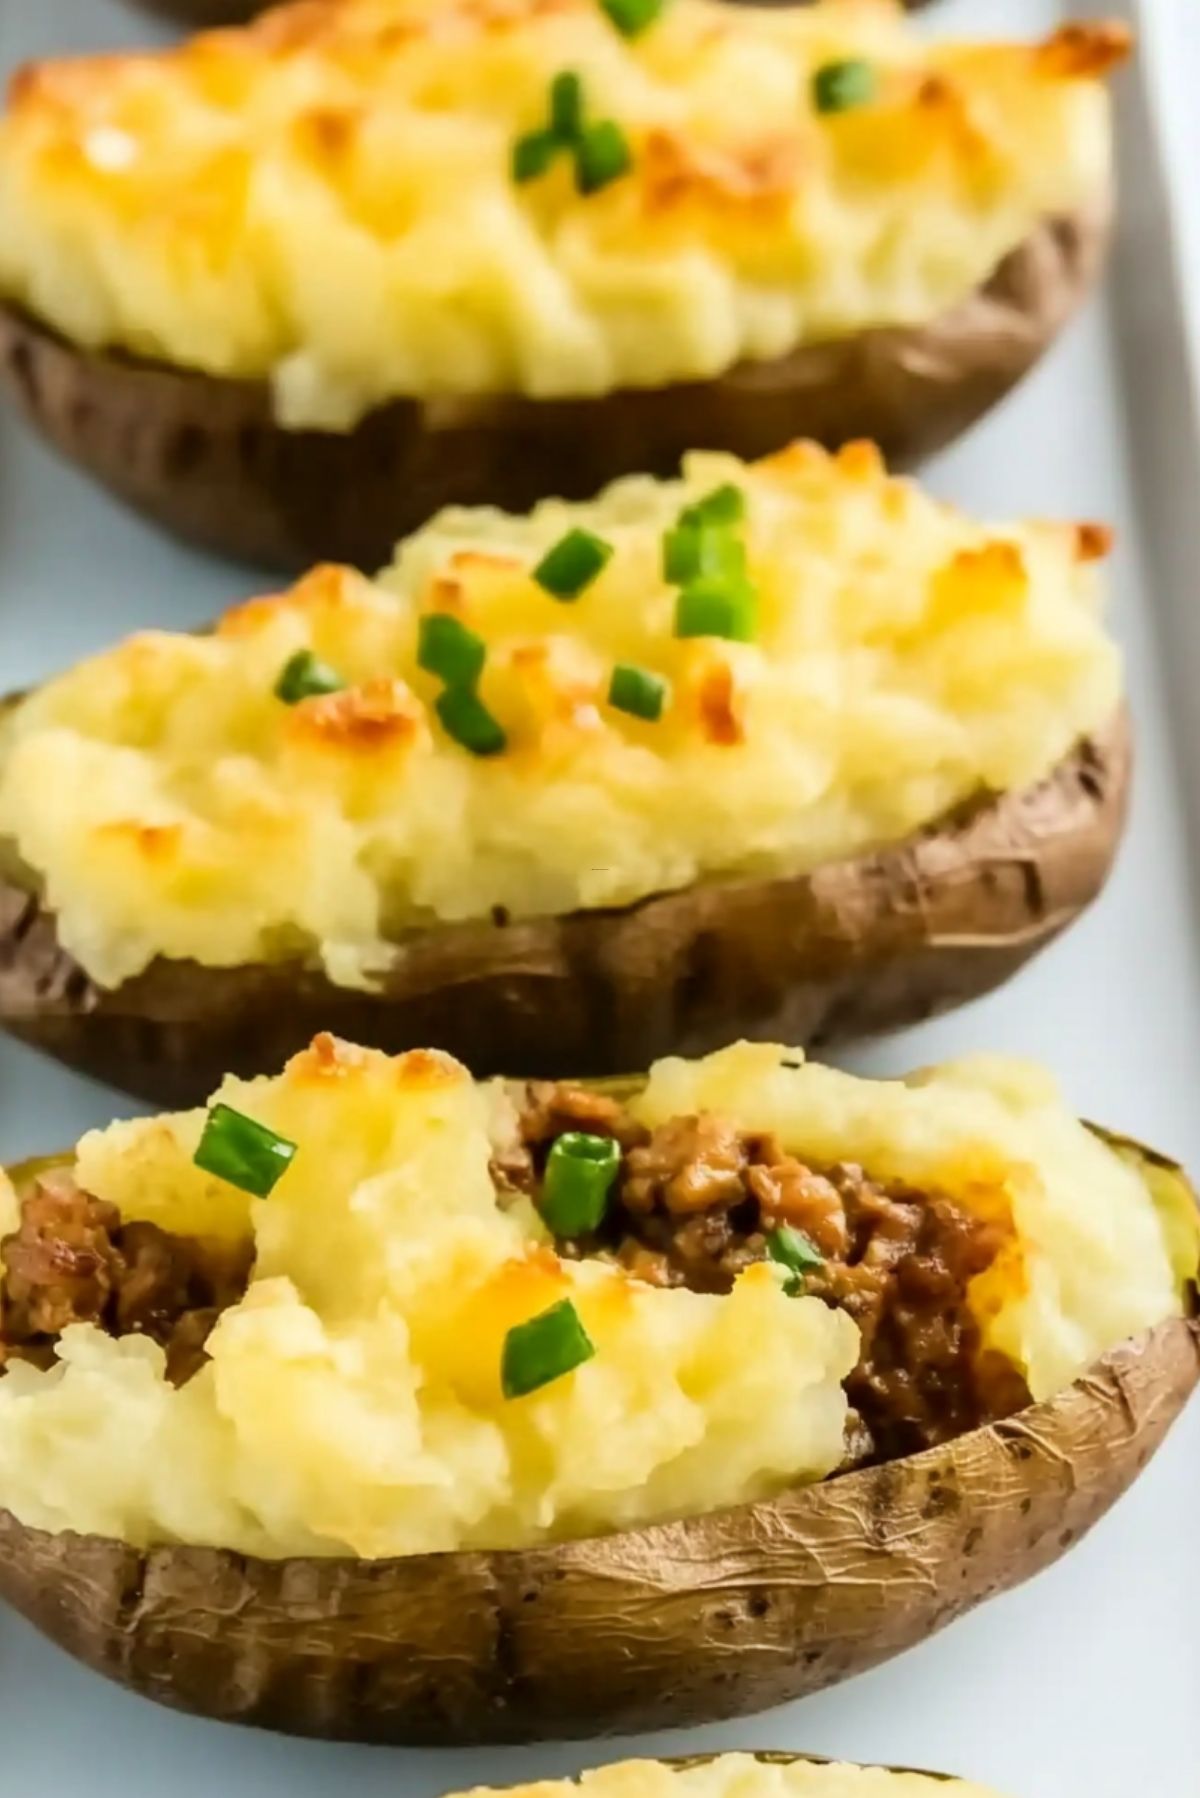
(72,1260)
(694,1203)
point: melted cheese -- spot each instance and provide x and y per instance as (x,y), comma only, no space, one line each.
(324,199)
(906,657)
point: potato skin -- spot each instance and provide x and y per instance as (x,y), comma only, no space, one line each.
(199,14)
(853,948)
(679,1624)
(204,458)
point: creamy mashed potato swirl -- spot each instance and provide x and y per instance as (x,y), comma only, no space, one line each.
(352,1402)
(325,199)
(904,658)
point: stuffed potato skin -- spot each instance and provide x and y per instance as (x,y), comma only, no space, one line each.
(787,272)
(205,458)
(686,1622)
(854,948)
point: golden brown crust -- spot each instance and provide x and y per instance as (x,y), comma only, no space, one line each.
(854,948)
(681,1623)
(205,458)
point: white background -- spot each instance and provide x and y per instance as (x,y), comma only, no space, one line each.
(1084,1684)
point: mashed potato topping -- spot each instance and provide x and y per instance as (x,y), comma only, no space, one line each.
(352,1402)
(741,1776)
(903,659)
(326,198)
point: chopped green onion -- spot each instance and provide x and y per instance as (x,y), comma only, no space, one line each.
(246,1154)
(566,106)
(632,17)
(580,1172)
(717,606)
(724,505)
(637,691)
(465,718)
(550,1345)
(602,155)
(447,648)
(837,86)
(792,1249)
(533,154)
(572,564)
(694,549)
(303,676)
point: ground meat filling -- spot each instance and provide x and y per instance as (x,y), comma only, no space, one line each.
(694,1203)
(72,1260)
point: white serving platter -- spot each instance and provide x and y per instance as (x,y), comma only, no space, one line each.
(1083,1684)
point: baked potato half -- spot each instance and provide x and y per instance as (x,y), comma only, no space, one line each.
(376,1403)
(543,795)
(519,255)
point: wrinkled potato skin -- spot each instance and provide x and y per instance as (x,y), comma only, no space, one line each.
(854,948)
(681,1624)
(204,457)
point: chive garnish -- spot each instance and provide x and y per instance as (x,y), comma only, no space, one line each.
(632,17)
(602,156)
(572,564)
(467,720)
(692,549)
(793,1250)
(533,154)
(725,505)
(447,648)
(566,106)
(245,1153)
(304,676)
(580,1171)
(601,150)
(538,1352)
(837,86)
(637,691)
(717,606)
